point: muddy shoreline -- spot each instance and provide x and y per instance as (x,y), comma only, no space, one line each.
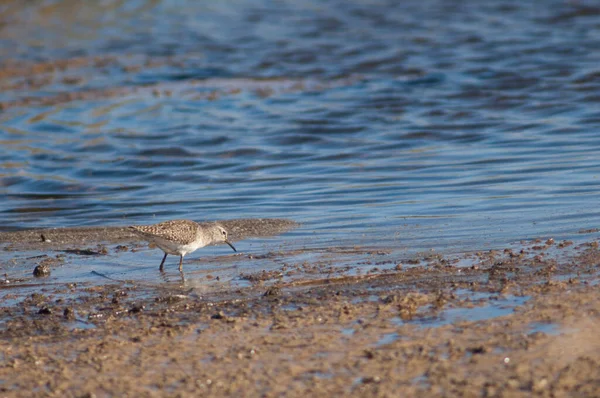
(54,238)
(410,329)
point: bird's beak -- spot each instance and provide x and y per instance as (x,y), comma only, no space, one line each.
(229,243)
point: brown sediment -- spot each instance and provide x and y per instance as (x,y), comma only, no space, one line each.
(379,334)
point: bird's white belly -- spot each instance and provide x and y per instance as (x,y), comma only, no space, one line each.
(178,249)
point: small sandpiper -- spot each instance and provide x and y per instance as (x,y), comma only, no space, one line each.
(180,237)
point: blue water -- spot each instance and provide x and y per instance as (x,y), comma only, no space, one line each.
(410,125)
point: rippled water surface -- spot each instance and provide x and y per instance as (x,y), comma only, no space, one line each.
(413,124)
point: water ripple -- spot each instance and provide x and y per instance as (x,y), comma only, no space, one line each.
(413,123)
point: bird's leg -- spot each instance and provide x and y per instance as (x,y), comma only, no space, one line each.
(181,264)
(162,262)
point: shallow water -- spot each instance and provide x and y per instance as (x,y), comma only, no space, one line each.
(412,125)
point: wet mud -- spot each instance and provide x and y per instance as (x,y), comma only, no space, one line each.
(55,238)
(514,322)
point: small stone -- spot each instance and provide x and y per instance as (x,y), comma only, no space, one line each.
(45,311)
(371,379)
(480,349)
(218,315)
(272,291)
(68,313)
(41,271)
(136,309)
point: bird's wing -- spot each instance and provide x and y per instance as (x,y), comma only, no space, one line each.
(182,231)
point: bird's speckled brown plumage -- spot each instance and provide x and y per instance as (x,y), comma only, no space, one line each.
(180,231)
